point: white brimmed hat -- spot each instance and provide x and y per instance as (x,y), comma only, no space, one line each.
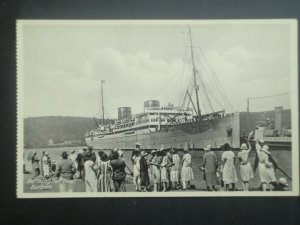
(208,148)
(244,146)
(283,181)
(120,153)
(265,148)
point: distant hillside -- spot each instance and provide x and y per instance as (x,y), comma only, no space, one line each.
(39,130)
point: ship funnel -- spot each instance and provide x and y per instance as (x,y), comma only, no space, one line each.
(151,104)
(278,118)
(124,112)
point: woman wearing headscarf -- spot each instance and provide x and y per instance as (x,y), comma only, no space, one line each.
(210,168)
(228,168)
(154,163)
(186,172)
(90,173)
(104,173)
(245,166)
(164,175)
(174,174)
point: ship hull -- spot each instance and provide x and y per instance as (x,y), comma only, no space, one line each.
(195,135)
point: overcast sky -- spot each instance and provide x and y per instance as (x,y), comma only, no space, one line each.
(64,63)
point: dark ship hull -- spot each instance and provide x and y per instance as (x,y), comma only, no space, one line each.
(195,135)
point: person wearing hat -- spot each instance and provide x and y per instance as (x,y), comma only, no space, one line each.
(46,164)
(228,169)
(281,184)
(265,167)
(164,172)
(210,165)
(187,174)
(65,169)
(174,169)
(144,174)
(154,163)
(245,166)
(90,173)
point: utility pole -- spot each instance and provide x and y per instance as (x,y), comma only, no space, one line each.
(248,105)
(102,102)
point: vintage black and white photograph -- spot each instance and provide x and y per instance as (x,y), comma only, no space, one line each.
(157,108)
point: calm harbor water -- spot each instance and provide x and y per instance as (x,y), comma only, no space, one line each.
(282,157)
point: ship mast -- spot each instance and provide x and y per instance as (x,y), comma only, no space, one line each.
(102,103)
(194,73)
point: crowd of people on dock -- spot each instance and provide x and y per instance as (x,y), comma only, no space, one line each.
(160,169)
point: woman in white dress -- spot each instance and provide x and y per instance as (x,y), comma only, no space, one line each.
(245,166)
(164,172)
(46,165)
(174,174)
(228,168)
(186,172)
(265,167)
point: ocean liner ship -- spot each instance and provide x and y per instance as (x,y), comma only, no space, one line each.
(171,126)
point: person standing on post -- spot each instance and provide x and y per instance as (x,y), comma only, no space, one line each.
(210,168)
